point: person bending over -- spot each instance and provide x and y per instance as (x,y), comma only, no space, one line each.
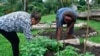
(65,16)
(19,21)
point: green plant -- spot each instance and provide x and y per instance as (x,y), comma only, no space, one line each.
(49,23)
(87,54)
(81,41)
(72,51)
(38,46)
(69,51)
(30,49)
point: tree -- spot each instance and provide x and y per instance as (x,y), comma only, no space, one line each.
(82,2)
(11,5)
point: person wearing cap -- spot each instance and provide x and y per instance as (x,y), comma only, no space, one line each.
(66,16)
(19,21)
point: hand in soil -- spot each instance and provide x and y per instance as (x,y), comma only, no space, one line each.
(69,36)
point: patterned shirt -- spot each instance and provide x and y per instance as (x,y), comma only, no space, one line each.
(17,21)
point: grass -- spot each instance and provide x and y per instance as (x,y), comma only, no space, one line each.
(94,25)
(48,18)
(5,47)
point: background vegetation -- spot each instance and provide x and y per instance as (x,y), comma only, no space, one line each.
(43,6)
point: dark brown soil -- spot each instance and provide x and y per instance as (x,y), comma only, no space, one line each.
(93,50)
(78,33)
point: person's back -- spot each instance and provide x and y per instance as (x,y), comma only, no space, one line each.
(61,11)
(14,21)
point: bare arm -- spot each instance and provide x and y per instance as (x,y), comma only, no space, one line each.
(58,32)
(70,29)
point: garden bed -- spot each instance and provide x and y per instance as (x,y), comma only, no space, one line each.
(81,32)
(93,50)
(44,46)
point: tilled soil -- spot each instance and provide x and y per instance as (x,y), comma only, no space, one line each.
(77,33)
(93,50)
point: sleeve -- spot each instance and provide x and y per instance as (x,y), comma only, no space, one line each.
(27,30)
(59,18)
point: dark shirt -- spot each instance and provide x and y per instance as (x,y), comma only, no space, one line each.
(59,16)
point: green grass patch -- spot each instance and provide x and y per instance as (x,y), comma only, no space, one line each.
(96,26)
(5,47)
(48,18)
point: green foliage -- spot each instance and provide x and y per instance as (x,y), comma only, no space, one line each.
(8,6)
(94,25)
(81,40)
(38,46)
(35,6)
(72,51)
(69,51)
(5,45)
(82,6)
(87,54)
(82,2)
(45,8)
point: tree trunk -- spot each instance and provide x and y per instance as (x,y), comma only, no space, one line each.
(25,5)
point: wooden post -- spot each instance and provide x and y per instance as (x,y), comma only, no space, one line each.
(87,26)
(25,5)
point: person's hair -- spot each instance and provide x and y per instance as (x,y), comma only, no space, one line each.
(36,15)
(70,14)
